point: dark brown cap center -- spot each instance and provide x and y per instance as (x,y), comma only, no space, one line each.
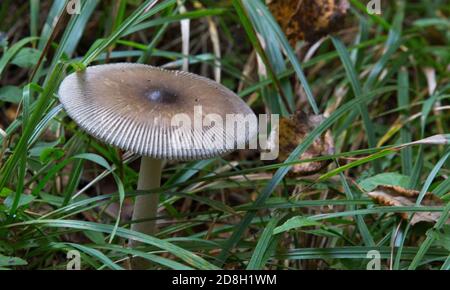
(162,96)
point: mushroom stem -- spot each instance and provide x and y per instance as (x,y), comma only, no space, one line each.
(146,206)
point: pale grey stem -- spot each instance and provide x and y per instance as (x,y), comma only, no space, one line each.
(146,205)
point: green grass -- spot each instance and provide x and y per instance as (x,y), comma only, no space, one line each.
(62,190)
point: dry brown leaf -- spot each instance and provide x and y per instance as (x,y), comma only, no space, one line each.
(390,195)
(292,131)
(11,113)
(309,20)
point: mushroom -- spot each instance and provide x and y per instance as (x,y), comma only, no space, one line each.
(146,110)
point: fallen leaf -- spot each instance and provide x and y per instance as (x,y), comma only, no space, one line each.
(292,131)
(11,113)
(309,20)
(392,195)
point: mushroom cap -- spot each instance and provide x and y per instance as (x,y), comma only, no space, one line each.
(133,107)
